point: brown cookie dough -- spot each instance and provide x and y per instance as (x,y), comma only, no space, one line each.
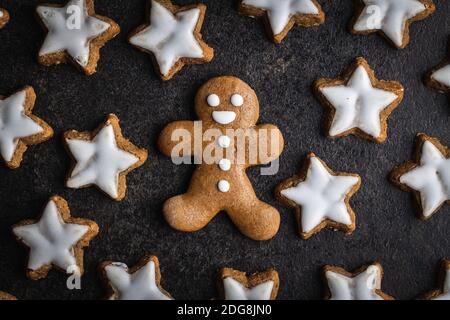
(75,34)
(358,103)
(280,17)
(175,44)
(102,158)
(4,17)
(56,239)
(238,285)
(443,291)
(320,197)
(228,109)
(20,128)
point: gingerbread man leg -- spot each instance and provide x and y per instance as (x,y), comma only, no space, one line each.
(255,218)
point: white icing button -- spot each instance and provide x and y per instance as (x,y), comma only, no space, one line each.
(213,100)
(224,186)
(237,100)
(225,165)
(224,141)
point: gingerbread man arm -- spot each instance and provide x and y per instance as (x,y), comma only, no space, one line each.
(178,138)
(269,146)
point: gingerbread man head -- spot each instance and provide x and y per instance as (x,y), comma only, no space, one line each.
(227,101)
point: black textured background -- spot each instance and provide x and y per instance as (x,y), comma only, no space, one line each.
(282,75)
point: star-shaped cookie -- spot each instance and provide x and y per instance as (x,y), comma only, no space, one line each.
(320,197)
(237,285)
(427,176)
(141,282)
(439,77)
(358,103)
(391,18)
(280,16)
(55,240)
(173,37)
(102,158)
(4,17)
(19,128)
(75,33)
(363,284)
(6,296)
(443,293)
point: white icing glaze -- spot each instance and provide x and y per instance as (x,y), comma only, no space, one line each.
(140,285)
(358,104)
(442,75)
(361,287)
(170,37)
(390,16)
(1,13)
(225,164)
(223,186)
(224,141)
(70,29)
(99,162)
(236,291)
(14,124)
(51,240)
(321,196)
(224,117)
(446,288)
(237,100)
(431,178)
(280,12)
(213,100)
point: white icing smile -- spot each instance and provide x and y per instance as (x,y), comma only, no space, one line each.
(224,117)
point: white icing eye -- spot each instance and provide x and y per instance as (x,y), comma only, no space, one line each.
(237,100)
(213,100)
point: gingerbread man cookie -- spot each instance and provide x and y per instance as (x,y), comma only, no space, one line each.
(391,18)
(228,109)
(439,77)
(237,285)
(141,282)
(281,15)
(75,33)
(19,128)
(443,293)
(55,240)
(4,17)
(363,284)
(6,296)
(427,176)
(173,36)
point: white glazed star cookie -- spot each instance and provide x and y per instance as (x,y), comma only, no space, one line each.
(281,15)
(237,285)
(427,176)
(443,292)
(363,284)
(19,128)
(358,103)
(103,158)
(55,240)
(173,37)
(439,77)
(141,282)
(75,33)
(391,18)
(320,197)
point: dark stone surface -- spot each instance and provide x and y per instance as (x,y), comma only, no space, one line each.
(282,75)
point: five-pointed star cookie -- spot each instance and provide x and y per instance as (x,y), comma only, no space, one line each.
(173,37)
(439,77)
(18,127)
(74,33)
(4,17)
(363,284)
(141,282)
(55,240)
(237,285)
(6,296)
(358,103)
(427,176)
(443,293)
(320,197)
(103,158)
(281,15)
(391,18)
